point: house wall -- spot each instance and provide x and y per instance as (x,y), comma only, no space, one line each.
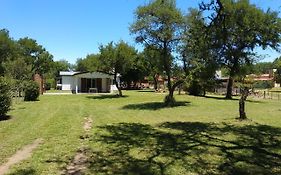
(67,83)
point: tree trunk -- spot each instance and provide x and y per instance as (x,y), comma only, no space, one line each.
(229,88)
(180,90)
(244,95)
(155,82)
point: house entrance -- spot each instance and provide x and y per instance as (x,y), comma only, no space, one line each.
(90,83)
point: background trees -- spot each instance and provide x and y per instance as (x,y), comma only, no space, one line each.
(237,28)
(158,25)
(116,59)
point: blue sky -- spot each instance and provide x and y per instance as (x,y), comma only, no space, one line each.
(71,29)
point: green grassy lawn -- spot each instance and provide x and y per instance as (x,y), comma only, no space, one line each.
(137,135)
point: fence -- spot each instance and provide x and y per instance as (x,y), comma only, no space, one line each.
(267,95)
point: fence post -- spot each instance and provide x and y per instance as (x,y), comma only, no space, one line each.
(264,94)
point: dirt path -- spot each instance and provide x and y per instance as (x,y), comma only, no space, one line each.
(20,155)
(80,160)
(88,124)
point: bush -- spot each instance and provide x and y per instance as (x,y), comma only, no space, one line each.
(48,86)
(5,97)
(263,84)
(194,88)
(31,91)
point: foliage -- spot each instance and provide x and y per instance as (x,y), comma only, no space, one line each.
(263,84)
(277,65)
(90,63)
(49,83)
(202,64)
(159,25)
(35,55)
(31,91)
(5,96)
(262,68)
(7,48)
(237,28)
(152,61)
(116,59)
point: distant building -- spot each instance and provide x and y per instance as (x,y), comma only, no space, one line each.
(84,82)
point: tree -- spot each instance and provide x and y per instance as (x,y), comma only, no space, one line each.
(116,59)
(153,62)
(136,72)
(35,55)
(19,71)
(7,48)
(159,25)
(277,65)
(90,63)
(262,68)
(5,97)
(200,62)
(237,28)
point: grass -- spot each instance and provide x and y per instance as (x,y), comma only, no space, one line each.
(57,91)
(138,135)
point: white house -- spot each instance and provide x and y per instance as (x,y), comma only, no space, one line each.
(85,82)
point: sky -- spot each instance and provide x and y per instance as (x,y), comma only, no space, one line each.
(71,29)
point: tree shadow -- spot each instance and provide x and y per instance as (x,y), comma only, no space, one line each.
(233,99)
(186,147)
(29,171)
(221,98)
(146,91)
(102,97)
(154,105)
(5,117)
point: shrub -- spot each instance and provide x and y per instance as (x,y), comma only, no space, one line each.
(263,84)
(195,88)
(48,86)
(31,91)
(5,97)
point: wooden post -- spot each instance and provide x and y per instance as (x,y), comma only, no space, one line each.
(264,94)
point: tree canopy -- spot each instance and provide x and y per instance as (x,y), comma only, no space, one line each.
(159,25)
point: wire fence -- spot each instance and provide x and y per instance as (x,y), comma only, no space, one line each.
(267,95)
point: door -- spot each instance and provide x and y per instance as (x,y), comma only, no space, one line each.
(99,84)
(83,85)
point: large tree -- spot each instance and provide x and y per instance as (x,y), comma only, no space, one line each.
(7,48)
(158,24)
(237,28)
(35,55)
(116,59)
(199,60)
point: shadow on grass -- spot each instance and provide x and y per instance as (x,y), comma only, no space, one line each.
(154,105)
(29,171)
(220,98)
(146,91)
(186,148)
(233,99)
(5,117)
(102,97)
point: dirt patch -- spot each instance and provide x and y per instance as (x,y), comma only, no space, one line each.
(80,161)
(88,124)
(20,155)
(78,164)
